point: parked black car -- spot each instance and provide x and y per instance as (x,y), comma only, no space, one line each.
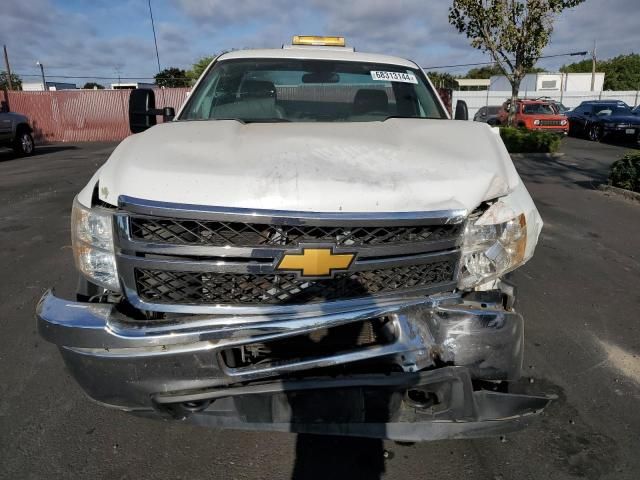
(598,119)
(487,114)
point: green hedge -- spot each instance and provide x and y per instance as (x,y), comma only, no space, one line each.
(520,140)
(625,173)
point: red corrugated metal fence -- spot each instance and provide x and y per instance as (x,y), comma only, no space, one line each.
(83,115)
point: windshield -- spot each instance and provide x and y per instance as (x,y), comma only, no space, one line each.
(269,90)
(539,109)
(612,109)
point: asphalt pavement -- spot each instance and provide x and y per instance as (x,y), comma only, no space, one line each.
(580,297)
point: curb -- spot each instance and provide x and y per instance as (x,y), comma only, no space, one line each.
(620,191)
(537,155)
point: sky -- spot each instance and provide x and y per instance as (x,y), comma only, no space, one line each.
(99,38)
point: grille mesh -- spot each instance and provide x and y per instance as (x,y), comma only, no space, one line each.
(234,288)
(216,233)
(550,123)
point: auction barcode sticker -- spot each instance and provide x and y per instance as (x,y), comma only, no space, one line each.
(394,76)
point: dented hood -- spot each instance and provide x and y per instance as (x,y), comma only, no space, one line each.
(392,166)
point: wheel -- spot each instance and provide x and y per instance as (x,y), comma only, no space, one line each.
(595,133)
(23,144)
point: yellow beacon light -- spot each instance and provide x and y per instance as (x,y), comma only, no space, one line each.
(318,41)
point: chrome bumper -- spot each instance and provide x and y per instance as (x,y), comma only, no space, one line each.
(164,367)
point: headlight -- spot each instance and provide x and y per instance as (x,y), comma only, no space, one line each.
(536,122)
(492,246)
(92,240)
(563,122)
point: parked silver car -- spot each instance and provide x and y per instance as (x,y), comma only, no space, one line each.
(15,132)
(487,114)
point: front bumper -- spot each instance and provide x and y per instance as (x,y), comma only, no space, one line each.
(440,345)
(564,130)
(628,132)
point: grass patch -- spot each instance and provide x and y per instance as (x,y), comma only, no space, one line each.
(520,140)
(625,173)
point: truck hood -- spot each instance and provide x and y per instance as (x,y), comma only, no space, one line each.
(398,165)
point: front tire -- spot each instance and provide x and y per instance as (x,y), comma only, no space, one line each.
(595,133)
(23,144)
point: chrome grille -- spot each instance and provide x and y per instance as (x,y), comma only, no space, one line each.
(218,233)
(199,259)
(550,123)
(163,286)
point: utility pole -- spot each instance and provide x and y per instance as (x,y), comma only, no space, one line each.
(8,67)
(44,82)
(155,41)
(593,67)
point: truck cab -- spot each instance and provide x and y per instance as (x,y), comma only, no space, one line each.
(311,245)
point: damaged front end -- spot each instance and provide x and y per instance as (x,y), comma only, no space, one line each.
(209,328)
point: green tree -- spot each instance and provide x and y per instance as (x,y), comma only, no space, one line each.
(486,71)
(199,67)
(489,71)
(513,32)
(172,77)
(620,73)
(16,81)
(442,79)
(92,85)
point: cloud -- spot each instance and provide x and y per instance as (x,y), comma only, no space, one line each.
(102,40)
(95,38)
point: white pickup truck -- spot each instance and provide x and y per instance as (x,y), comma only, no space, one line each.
(312,245)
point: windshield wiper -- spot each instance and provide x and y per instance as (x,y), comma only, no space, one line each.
(264,120)
(410,116)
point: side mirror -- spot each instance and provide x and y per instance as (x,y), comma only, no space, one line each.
(142,110)
(462,111)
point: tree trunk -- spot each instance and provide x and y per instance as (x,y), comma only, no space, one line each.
(515,88)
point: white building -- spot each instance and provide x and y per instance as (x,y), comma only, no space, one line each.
(51,86)
(540,84)
(131,85)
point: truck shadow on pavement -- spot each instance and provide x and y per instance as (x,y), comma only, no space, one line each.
(331,458)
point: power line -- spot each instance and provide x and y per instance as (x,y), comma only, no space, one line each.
(492,63)
(99,77)
(91,77)
(155,41)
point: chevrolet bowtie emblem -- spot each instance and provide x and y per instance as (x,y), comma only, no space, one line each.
(316,262)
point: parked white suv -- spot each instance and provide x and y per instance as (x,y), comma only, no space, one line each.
(312,245)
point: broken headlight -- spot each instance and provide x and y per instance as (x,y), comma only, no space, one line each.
(494,244)
(92,240)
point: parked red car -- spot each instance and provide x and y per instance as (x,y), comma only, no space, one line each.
(535,115)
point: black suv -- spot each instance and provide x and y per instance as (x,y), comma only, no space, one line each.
(598,119)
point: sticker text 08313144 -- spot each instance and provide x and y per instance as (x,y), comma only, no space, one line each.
(393,76)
